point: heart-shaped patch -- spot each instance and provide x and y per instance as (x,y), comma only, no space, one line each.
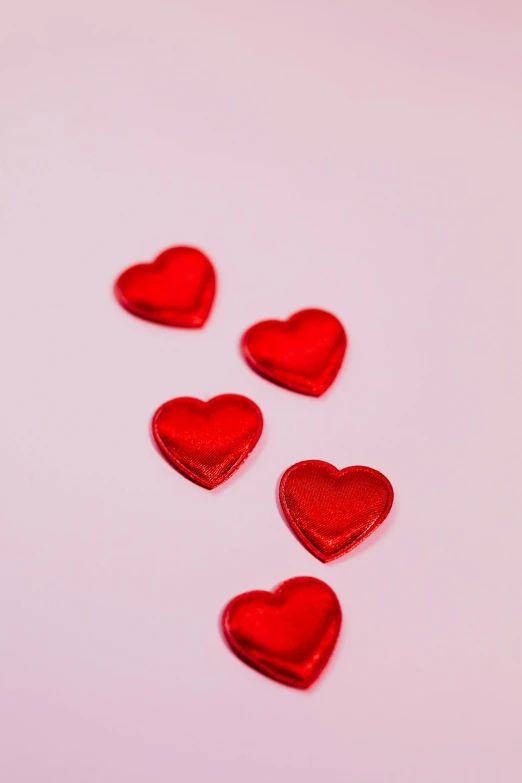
(176,289)
(330,510)
(289,634)
(207,441)
(303,353)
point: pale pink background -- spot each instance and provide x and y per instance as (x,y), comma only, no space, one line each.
(364,157)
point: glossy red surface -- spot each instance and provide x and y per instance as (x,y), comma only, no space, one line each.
(303,353)
(207,441)
(176,289)
(330,510)
(289,634)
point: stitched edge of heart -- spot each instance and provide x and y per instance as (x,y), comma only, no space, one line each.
(309,388)
(343,471)
(190,321)
(180,466)
(267,670)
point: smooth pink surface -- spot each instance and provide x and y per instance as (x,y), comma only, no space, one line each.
(362,157)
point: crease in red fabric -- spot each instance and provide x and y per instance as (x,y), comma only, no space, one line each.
(331,511)
(303,354)
(176,289)
(289,634)
(207,441)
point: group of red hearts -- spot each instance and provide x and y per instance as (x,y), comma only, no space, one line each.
(288,634)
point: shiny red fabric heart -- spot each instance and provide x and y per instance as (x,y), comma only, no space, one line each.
(303,353)
(289,634)
(330,510)
(176,289)
(207,441)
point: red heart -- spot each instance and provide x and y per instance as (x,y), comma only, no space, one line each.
(303,353)
(176,289)
(331,510)
(289,634)
(207,441)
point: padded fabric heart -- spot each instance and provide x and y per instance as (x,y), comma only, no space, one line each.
(330,510)
(207,441)
(176,289)
(303,353)
(289,634)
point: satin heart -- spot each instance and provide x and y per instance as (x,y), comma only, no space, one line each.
(289,634)
(207,441)
(303,353)
(330,510)
(176,289)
